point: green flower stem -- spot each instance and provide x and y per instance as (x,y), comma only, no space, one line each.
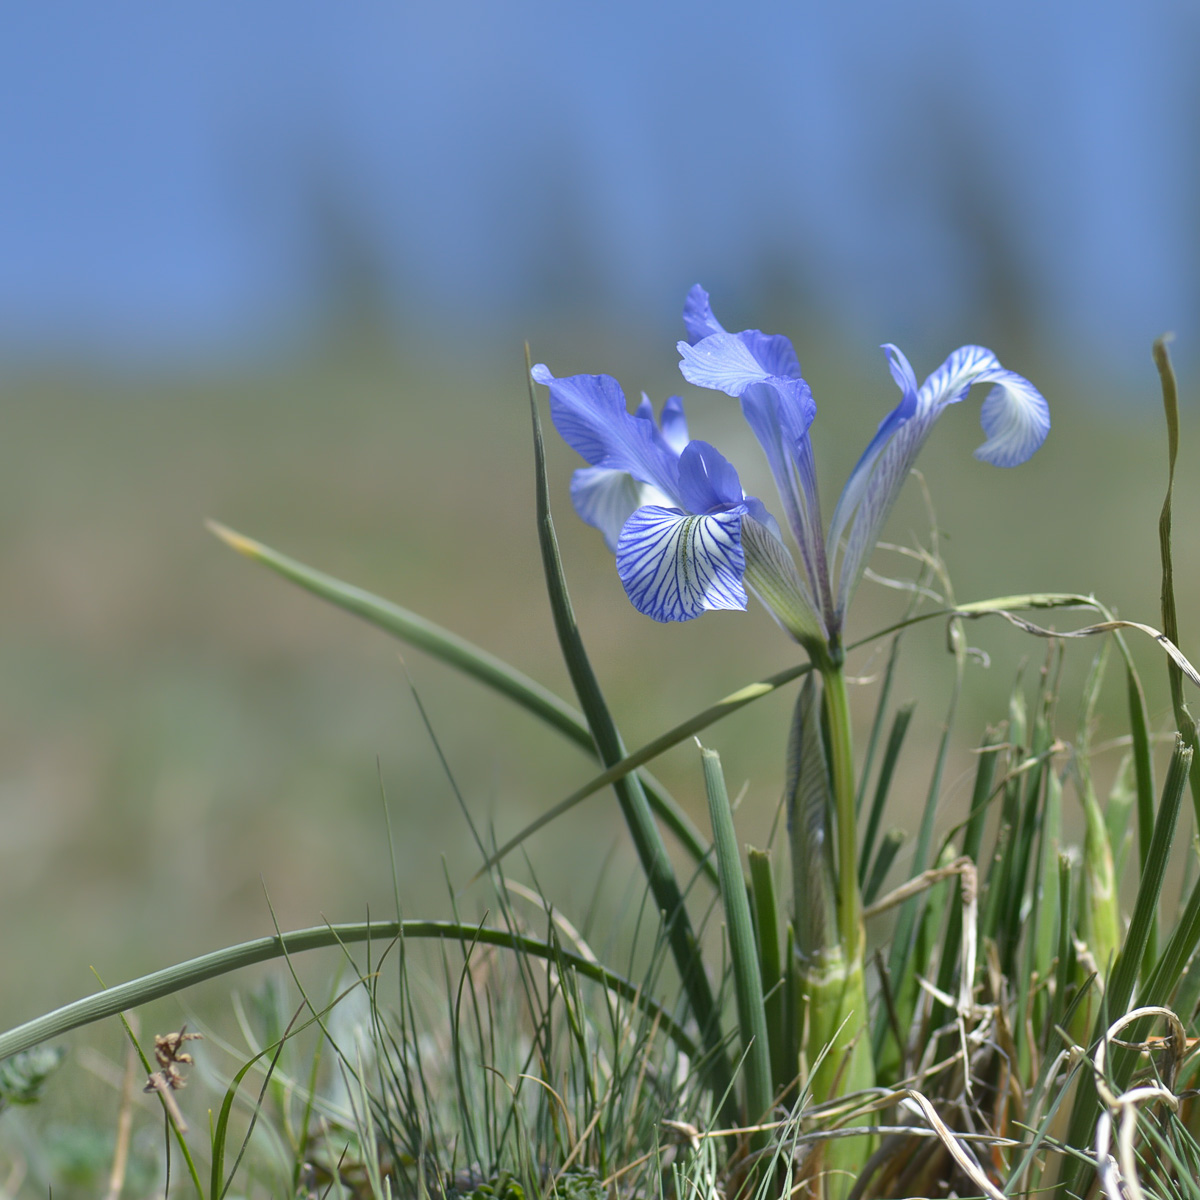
(837,717)
(836,984)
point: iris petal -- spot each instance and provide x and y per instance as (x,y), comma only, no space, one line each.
(1015,418)
(707,480)
(698,317)
(674,424)
(606,499)
(675,566)
(721,361)
(951,382)
(856,483)
(763,372)
(590,413)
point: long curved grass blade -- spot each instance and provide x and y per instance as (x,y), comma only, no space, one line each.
(417,631)
(743,952)
(1184,720)
(166,982)
(472,660)
(639,818)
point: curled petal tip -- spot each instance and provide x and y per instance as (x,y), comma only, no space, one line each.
(541,374)
(698,317)
(1016,419)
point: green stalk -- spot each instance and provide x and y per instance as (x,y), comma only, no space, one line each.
(841,752)
(836,983)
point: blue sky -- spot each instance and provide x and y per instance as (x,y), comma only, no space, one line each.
(172,172)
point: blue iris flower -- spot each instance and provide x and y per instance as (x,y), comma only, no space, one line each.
(685,535)
(671,508)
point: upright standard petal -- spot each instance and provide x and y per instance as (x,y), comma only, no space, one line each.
(675,565)
(763,372)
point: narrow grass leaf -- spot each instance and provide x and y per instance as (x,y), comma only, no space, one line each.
(639,817)
(881,707)
(767,928)
(1143,762)
(472,660)
(887,769)
(889,847)
(743,950)
(1184,720)
(115,1000)
(981,795)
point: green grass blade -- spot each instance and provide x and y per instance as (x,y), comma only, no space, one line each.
(1046,939)
(1184,720)
(639,817)
(474,661)
(881,706)
(889,847)
(767,927)
(1143,762)
(743,952)
(154,986)
(1180,947)
(985,778)
(1125,973)
(1100,916)
(1066,965)
(417,631)
(886,770)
